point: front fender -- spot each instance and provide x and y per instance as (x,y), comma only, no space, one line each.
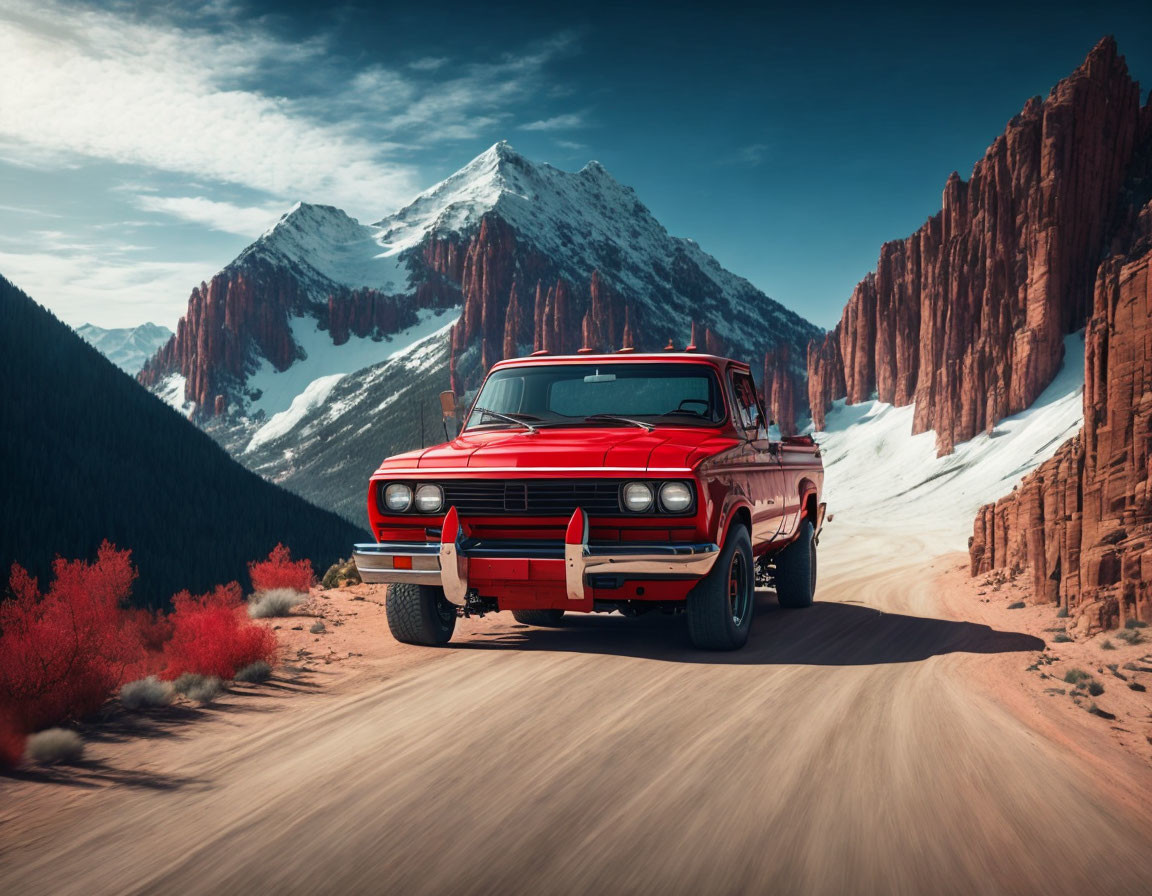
(733,507)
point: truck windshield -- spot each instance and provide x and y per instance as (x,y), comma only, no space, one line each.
(569,394)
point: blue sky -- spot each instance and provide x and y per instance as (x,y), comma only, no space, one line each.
(143,145)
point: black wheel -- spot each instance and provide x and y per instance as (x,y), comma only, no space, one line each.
(542,618)
(420,614)
(796,570)
(720,608)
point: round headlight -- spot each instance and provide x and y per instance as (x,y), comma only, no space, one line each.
(675,497)
(398,497)
(429,498)
(637,496)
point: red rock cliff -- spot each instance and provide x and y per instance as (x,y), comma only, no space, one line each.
(1080,525)
(966,316)
(245,311)
(225,318)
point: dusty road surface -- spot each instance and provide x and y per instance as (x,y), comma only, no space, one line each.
(848,749)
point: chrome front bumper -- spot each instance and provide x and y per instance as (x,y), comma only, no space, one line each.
(447,564)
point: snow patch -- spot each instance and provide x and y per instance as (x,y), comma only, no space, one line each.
(876,472)
(288,396)
(335,247)
(279,388)
(314,395)
(170,390)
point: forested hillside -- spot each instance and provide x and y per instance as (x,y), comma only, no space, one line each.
(88,454)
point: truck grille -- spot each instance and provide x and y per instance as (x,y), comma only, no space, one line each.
(533,497)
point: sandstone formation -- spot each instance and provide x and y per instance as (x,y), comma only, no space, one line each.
(246,311)
(781,386)
(225,319)
(966,317)
(501,319)
(1080,525)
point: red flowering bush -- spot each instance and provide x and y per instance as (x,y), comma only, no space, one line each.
(11,741)
(63,652)
(154,630)
(279,571)
(211,634)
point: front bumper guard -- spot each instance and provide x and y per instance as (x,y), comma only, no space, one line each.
(446,564)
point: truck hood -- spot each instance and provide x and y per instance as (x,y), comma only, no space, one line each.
(569,449)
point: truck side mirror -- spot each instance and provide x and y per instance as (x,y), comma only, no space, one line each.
(448,403)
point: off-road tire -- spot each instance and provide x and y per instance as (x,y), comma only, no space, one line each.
(711,621)
(541,618)
(420,614)
(796,570)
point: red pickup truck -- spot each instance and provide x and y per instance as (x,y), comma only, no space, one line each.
(593,483)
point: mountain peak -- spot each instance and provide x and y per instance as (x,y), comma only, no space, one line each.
(309,214)
(501,149)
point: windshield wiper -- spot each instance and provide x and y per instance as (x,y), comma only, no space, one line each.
(592,418)
(507,418)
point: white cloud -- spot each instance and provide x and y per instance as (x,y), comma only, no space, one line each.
(94,84)
(752,155)
(96,287)
(24,210)
(249,221)
(78,82)
(564,122)
(428,63)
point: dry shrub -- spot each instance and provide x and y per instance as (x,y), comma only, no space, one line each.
(204,690)
(277,602)
(255,673)
(341,573)
(184,682)
(280,571)
(146,693)
(211,636)
(55,746)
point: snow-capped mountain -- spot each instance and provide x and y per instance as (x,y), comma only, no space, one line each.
(129,347)
(504,257)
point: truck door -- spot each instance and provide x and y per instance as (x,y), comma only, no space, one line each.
(765,484)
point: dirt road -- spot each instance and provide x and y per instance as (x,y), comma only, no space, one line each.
(846,750)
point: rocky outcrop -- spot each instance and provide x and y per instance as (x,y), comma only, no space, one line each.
(500,318)
(966,317)
(781,386)
(1080,525)
(366,312)
(226,318)
(245,312)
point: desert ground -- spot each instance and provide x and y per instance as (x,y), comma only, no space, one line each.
(895,738)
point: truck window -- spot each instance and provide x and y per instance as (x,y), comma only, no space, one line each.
(747,404)
(565,394)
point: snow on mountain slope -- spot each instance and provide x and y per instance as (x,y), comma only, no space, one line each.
(330,448)
(284,397)
(129,347)
(877,474)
